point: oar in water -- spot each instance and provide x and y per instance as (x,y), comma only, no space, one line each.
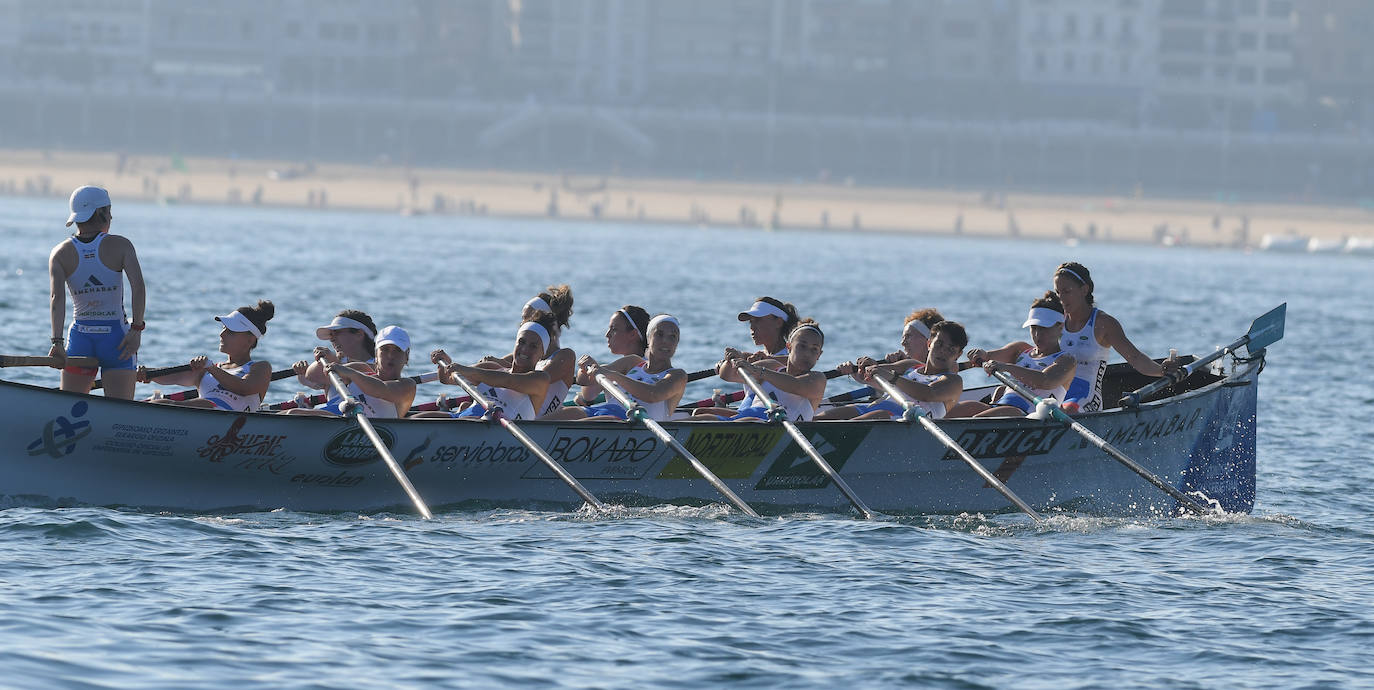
(154,373)
(1186,501)
(193,393)
(494,411)
(350,408)
(780,415)
(321,398)
(27,361)
(1264,331)
(912,411)
(633,411)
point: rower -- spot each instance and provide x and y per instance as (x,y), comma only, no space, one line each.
(934,386)
(239,383)
(385,394)
(793,384)
(771,321)
(1044,367)
(625,337)
(1090,335)
(652,382)
(93,264)
(516,390)
(352,334)
(915,344)
(559,362)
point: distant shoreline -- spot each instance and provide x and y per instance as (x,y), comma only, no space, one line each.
(784,206)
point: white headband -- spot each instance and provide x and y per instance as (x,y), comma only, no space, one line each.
(663,318)
(538,304)
(626,314)
(340,322)
(537,330)
(1040,316)
(1070,272)
(807,327)
(919,326)
(237,322)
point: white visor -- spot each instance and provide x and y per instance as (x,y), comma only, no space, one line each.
(762,308)
(919,326)
(1040,316)
(342,322)
(238,323)
(537,330)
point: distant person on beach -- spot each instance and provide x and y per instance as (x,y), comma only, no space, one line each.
(93,265)
(1090,335)
(237,384)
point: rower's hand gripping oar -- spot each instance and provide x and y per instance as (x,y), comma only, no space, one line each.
(635,412)
(1010,382)
(1264,331)
(912,411)
(350,408)
(779,414)
(494,411)
(193,393)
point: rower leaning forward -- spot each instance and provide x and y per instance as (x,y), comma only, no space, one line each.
(93,264)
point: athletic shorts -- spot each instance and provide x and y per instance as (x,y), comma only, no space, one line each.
(606,409)
(750,413)
(1014,399)
(886,404)
(99,339)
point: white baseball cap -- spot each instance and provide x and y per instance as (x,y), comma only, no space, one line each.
(85,201)
(394,335)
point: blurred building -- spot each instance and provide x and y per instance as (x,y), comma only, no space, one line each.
(1335,62)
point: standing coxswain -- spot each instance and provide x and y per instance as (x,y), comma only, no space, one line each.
(93,265)
(239,383)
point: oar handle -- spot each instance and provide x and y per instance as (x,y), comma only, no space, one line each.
(1178,375)
(28,361)
(193,393)
(350,408)
(153,373)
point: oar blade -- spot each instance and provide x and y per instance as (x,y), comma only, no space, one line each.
(1267,329)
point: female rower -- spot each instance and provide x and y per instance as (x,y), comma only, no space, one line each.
(1045,368)
(516,390)
(626,336)
(770,322)
(1090,335)
(353,335)
(934,386)
(560,363)
(653,383)
(237,384)
(385,394)
(915,345)
(794,385)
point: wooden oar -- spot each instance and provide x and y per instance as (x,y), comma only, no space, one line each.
(154,373)
(912,411)
(27,361)
(321,398)
(1010,382)
(193,393)
(350,408)
(780,415)
(633,411)
(494,411)
(1264,331)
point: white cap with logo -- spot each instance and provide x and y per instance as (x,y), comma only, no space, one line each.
(85,201)
(393,335)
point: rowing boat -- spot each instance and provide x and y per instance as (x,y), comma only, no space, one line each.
(64,449)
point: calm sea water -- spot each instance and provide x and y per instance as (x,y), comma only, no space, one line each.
(691,597)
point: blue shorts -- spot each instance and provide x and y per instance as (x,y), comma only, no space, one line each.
(606,409)
(473,410)
(750,413)
(1014,399)
(333,406)
(886,404)
(99,339)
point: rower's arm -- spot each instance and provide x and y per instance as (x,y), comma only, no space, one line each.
(665,388)
(256,383)
(948,387)
(57,294)
(137,290)
(810,385)
(396,392)
(1110,333)
(1057,374)
(531,383)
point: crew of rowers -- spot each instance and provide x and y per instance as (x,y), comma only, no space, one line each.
(1064,360)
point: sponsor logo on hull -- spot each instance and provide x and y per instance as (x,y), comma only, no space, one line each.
(263,452)
(352,447)
(60,435)
(729,453)
(794,469)
(589,453)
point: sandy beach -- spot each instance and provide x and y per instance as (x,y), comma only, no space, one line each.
(837,206)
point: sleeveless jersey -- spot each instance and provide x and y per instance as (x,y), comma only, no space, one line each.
(934,408)
(372,407)
(1086,388)
(514,404)
(211,390)
(799,408)
(658,410)
(558,390)
(97,290)
(1040,364)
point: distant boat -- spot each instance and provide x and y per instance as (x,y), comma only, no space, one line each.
(1287,242)
(1317,246)
(1359,245)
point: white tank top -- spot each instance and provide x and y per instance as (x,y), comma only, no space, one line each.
(514,404)
(658,410)
(1092,360)
(372,407)
(97,290)
(211,390)
(1040,364)
(934,408)
(558,390)
(799,408)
